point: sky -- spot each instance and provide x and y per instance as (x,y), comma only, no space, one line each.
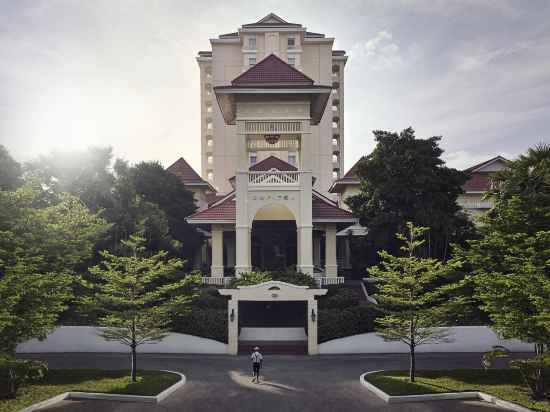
(76,74)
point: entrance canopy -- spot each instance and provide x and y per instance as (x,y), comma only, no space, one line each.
(272,291)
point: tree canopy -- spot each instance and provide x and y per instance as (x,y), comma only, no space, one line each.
(43,246)
(511,260)
(10,171)
(404,179)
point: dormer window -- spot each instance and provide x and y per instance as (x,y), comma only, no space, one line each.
(291,43)
(251,61)
(292,61)
(252,42)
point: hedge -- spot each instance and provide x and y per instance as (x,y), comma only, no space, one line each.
(338,323)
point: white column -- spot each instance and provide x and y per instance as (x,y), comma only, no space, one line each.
(306,249)
(217,251)
(312,347)
(243,250)
(232,326)
(331,266)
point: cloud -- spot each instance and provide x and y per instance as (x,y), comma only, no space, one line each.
(380,52)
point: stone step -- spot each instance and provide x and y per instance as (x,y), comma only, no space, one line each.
(274,347)
(272,334)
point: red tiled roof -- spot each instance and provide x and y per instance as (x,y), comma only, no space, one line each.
(322,210)
(479,182)
(272,162)
(272,70)
(350,178)
(186,174)
(225,210)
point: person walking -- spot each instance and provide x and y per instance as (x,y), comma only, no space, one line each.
(257,360)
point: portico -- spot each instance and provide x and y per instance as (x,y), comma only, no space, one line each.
(272,291)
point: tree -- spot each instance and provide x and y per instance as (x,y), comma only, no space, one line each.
(42,248)
(511,261)
(10,171)
(413,305)
(404,179)
(139,293)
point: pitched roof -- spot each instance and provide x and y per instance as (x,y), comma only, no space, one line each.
(480,180)
(187,174)
(272,162)
(271,20)
(224,211)
(350,178)
(478,166)
(272,71)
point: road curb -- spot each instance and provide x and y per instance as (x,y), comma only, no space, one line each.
(440,396)
(110,396)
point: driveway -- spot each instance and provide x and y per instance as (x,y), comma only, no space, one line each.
(291,383)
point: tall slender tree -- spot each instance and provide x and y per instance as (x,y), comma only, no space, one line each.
(139,292)
(412,302)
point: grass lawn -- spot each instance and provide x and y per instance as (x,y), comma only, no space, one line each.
(58,381)
(503,383)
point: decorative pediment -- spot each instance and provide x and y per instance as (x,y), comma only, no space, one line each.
(273,290)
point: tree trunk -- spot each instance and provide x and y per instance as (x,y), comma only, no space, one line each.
(134,359)
(412,368)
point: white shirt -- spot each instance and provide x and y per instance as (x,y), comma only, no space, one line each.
(256,357)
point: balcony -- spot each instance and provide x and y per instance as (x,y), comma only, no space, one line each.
(274,178)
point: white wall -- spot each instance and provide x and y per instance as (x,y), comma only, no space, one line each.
(85,339)
(465,339)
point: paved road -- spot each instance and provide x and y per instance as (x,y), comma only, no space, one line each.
(291,383)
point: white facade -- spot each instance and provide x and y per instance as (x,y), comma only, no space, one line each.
(233,54)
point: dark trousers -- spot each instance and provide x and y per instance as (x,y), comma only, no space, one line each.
(256,369)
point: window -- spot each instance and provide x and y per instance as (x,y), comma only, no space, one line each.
(253,158)
(209,125)
(292,61)
(210,142)
(252,42)
(334,108)
(210,176)
(210,159)
(208,109)
(335,124)
(335,175)
(251,61)
(292,158)
(291,42)
(334,158)
(335,142)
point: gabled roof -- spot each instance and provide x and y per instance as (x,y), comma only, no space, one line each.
(224,211)
(272,162)
(187,174)
(272,71)
(350,178)
(480,180)
(479,166)
(271,20)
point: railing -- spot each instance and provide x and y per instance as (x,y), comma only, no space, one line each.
(329,281)
(217,281)
(263,127)
(476,205)
(274,178)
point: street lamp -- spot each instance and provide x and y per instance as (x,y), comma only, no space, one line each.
(313,317)
(232,315)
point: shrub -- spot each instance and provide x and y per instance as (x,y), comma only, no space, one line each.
(288,276)
(338,323)
(536,374)
(14,373)
(251,278)
(206,323)
(340,297)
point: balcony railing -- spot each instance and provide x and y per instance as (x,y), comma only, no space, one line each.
(217,281)
(266,127)
(274,178)
(476,205)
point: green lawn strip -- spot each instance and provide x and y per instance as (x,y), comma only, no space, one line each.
(57,381)
(505,384)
